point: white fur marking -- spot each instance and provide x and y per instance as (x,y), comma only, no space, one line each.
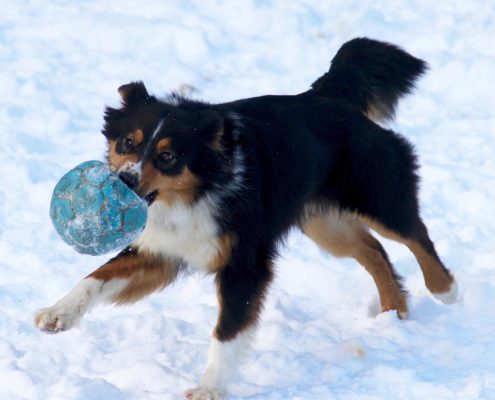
(158,127)
(449,297)
(238,170)
(132,167)
(68,311)
(203,393)
(223,360)
(237,181)
(188,232)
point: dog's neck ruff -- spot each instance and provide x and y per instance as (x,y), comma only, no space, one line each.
(187,232)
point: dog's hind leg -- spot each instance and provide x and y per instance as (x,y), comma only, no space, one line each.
(438,278)
(343,235)
(124,279)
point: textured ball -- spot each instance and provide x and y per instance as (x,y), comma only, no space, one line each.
(94,211)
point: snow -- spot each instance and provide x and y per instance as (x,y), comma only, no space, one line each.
(320,337)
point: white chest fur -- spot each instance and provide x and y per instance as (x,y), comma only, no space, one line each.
(186,232)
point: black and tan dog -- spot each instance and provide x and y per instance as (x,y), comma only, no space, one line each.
(225,183)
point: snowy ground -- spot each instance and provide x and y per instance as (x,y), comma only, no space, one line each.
(61,61)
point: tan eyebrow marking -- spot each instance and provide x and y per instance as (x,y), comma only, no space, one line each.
(138,136)
(163,144)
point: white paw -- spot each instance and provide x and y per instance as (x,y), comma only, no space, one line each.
(56,319)
(451,296)
(203,393)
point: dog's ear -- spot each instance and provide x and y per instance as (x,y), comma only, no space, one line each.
(134,93)
(112,122)
(212,125)
(211,121)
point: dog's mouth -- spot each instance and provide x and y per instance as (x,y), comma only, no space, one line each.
(150,197)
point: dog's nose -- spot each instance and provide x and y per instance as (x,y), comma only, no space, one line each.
(129,179)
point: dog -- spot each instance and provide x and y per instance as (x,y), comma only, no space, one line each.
(225,183)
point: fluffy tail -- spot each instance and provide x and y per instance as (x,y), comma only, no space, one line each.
(370,75)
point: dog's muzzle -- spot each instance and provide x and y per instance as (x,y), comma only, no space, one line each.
(130,179)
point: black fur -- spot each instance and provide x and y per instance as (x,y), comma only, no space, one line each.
(310,151)
(370,75)
(318,150)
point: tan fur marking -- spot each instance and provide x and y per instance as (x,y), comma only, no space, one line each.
(138,136)
(380,229)
(376,114)
(225,244)
(116,160)
(182,187)
(50,326)
(122,92)
(163,144)
(146,273)
(437,280)
(343,235)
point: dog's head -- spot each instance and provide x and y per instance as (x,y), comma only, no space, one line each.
(168,151)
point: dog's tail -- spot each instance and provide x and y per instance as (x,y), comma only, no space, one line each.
(370,75)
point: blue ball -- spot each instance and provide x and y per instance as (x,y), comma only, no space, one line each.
(94,211)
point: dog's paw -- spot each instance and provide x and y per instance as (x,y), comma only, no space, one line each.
(451,296)
(56,319)
(203,393)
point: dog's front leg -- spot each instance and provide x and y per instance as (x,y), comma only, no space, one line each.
(241,294)
(124,279)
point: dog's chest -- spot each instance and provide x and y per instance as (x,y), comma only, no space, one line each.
(186,232)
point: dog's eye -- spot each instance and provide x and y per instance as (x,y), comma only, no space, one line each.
(166,157)
(125,145)
(128,145)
